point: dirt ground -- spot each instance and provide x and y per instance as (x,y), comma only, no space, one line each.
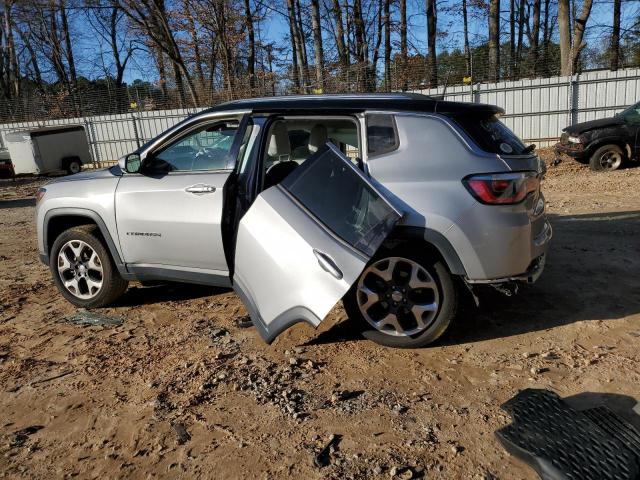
(181,390)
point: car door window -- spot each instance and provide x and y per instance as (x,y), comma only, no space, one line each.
(206,148)
(335,194)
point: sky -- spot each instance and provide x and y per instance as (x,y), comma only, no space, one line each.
(275,29)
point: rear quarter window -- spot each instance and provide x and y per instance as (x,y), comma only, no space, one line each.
(382,134)
(490,134)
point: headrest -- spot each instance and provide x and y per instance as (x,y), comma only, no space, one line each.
(279,141)
(317,137)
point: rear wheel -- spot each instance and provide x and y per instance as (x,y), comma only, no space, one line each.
(403,300)
(83,270)
(607,157)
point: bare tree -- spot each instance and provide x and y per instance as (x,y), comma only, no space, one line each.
(571,45)
(431,42)
(9,71)
(343,54)
(615,37)
(317,43)
(151,17)
(105,18)
(251,58)
(465,27)
(534,36)
(387,45)
(403,44)
(494,40)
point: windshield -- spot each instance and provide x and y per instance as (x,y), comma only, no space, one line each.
(491,134)
(631,113)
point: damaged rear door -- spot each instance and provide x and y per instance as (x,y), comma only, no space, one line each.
(304,242)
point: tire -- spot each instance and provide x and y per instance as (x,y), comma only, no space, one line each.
(607,158)
(444,295)
(72,165)
(89,273)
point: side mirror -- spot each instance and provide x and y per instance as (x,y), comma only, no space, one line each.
(132,163)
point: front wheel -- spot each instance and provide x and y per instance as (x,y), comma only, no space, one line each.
(403,300)
(607,157)
(83,270)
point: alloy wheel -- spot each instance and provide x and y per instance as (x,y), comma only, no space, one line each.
(610,160)
(398,296)
(80,269)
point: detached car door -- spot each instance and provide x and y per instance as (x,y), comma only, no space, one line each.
(304,242)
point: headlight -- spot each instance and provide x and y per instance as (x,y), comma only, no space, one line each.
(573,139)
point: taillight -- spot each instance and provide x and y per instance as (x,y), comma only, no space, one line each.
(39,194)
(502,188)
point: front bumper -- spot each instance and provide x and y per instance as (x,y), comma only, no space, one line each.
(574,150)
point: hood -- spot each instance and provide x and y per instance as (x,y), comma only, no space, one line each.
(579,128)
(111,172)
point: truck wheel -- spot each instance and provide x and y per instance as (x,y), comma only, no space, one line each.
(72,165)
(607,157)
(83,270)
(403,299)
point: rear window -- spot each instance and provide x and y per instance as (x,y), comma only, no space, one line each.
(491,134)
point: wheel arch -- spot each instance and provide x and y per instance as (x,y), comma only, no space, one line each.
(430,239)
(58,220)
(601,142)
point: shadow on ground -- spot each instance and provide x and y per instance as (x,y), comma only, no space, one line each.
(17,203)
(162,292)
(591,274)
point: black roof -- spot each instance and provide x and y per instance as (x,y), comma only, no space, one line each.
(412,102)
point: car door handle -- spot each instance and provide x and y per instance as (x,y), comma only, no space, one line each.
(327,264)
(200,189)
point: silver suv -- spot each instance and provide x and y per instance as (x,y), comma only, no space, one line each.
(391,202)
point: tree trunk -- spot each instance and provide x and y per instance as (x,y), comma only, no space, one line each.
(295,51)
(403,45)
(251,57)
(67,40)
(302,44)
(520,35)
(177,76)
(545,41)
(571,47)
(512,37)
(162,72)
(343,57)
(534,37)
(13,76)
(387,45)
(361,47)
(317,44)
(431,43)
(579,26)
(467,50)
(494,40)
(195,41)
(615,36)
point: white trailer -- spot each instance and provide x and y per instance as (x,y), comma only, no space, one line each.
(48,150)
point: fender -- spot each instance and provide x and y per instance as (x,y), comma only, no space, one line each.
(436,239)
(95,217)
(615,140)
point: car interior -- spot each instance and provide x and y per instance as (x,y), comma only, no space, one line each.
(292,140)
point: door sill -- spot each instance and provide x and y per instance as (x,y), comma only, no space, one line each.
(144,272)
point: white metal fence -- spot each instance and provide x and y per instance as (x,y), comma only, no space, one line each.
(537,110)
